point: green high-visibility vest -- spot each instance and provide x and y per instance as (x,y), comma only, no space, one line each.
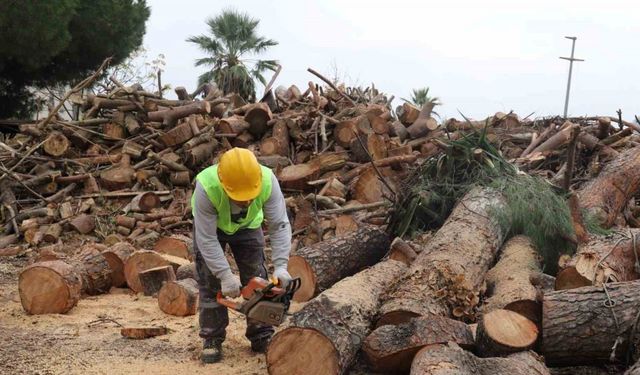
(210,181)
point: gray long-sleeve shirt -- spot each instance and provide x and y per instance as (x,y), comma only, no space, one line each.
(205,223)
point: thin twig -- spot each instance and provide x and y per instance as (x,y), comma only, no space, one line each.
(332,86)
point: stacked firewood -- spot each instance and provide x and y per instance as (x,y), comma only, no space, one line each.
(105,202)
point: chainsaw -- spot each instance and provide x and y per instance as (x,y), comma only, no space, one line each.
(264,300)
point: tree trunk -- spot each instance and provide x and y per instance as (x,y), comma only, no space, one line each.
(116,255)
(501,332)
(407,113)
(579,329)
(50,287)
(602,259)
(94,270)
(424,123)
(56,144)
(179,298)
(176,245)
(606,195)
(508,282)
(321,265)
(153,279)
(325,336)
(139,261)
(232,125)
(368,188)
(170,116)
(390,349)
(452,360)
(257,117)
(200,153)
(446,276)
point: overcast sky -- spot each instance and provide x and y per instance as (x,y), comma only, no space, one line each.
(479,57)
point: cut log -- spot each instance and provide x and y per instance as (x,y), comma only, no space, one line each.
(93,268)
(447,275)
(119,176)
(325,336)
(508,282)
(257,117)
(201,153)
(334,188)
(132,124)
(187,271)
(145,202)
(321,265)
(368,188)
(424,123)
(606,195)
(178,135)
(116,255)
(170,116)
(153,279)
(176,245)
(378,124)
(399,130)
(233,125)
(402,252)
(579,326)
(126,221)
(559,139)
(113,131)
(345,132)
(407,113)
(501,332)
(450,359)
(390,349)
(143,332)
(278,143)
(243,140)
(140,261)
(52,233)
(345,225)
(296,176)
(179,298)
(602,259)
(56,144)
(83,224)
(50,287)
(181,178)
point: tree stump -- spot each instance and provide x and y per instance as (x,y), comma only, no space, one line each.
(321,265)
(179,298)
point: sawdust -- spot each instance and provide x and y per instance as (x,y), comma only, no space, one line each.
(88,341)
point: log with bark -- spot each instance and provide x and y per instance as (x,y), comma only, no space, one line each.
(604,258)
(140,261)
(321,265)
(590,325)
(451,359)
(116,255)
(179,298)
(509,281)
(153,279)
(325,336)
(606,195)
(391,348)
(50,287)
(446,276)
(177,245)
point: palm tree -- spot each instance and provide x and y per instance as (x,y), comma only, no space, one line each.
(232,38)
(421,96)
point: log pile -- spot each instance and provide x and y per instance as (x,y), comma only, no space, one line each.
(471,297)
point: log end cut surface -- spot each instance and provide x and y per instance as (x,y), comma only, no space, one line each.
(138,262)
(49,288)
(298,267)
(314,354)
(508,330)
(179,298)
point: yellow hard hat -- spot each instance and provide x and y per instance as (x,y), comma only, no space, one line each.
(240,174)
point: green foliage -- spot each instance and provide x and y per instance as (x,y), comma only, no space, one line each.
(58,41)
(231,40)
(420,97)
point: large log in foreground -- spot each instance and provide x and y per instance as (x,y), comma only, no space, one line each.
(321,265)
(606,195)
(579,327)
(391,348)
(509,281)
(446,277)
(452,360)
(325,336)
(50,287)
(602,259)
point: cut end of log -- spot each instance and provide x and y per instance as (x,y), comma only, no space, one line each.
(49,288)
(570,278)
(503,331)
(179,298)
(143,332)
(301,349)
(299,267)
(138,262)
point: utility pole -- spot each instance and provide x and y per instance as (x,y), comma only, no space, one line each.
(571,60)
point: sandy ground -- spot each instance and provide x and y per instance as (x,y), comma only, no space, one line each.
(87,340)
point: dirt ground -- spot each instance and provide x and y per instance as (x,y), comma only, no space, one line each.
(87,340)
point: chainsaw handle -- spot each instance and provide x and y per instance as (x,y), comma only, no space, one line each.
(226,302)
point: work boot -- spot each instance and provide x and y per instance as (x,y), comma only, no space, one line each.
(211,351)
(260,345)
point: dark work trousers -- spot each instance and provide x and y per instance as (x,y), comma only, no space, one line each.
(247,246)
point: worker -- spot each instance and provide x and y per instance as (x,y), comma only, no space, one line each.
(230,201)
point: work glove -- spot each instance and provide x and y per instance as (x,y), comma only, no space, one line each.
(283,276)
(230,285)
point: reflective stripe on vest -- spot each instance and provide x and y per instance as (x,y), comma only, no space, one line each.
(210,181)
